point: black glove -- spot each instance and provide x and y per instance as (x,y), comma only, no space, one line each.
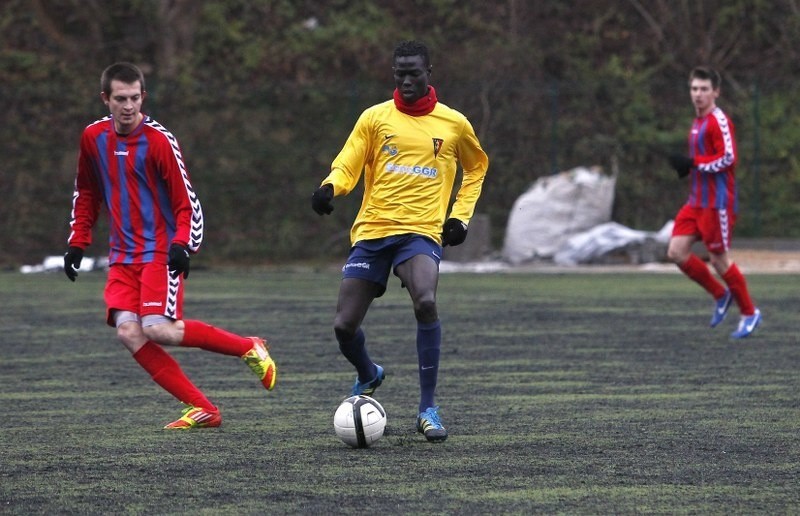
(681,164)
(178,260)
(454,232)
(321,200)
(72,262)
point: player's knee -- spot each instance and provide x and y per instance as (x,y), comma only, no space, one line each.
(344,332)
(160,333)
(425,309)
(676,255)
(129,334)
(720,262)
(672,256)
(152,333)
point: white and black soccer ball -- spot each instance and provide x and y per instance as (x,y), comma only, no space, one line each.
(359,421)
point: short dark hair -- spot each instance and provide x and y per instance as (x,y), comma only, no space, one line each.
(125,72)
(412,48)
(706,73)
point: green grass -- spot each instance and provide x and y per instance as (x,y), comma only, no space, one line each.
(563,393)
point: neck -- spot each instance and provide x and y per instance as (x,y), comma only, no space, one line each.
(419,107)
(703,112)
(126,129)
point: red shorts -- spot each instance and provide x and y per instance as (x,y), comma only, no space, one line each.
(714,227)
(144,289)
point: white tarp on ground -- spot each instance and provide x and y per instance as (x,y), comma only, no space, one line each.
(555,208)
(608,238)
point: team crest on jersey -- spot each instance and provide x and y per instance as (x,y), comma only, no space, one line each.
(391,150)
(437,146)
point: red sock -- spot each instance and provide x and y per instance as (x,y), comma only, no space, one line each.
(698,271)
(197,334)
(168,374)
(738,286)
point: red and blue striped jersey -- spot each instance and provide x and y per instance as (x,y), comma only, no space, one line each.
(145,187)
(712,145)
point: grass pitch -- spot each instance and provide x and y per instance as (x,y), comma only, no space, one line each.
(562,393)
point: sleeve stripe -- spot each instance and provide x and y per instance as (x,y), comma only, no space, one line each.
(196,230)
(728,157)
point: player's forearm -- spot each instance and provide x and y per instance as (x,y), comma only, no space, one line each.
(466,199)
(715,163)
(342,180)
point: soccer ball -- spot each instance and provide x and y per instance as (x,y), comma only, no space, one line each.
(359,421)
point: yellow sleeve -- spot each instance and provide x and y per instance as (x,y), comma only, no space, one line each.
(474,164)
(348,165)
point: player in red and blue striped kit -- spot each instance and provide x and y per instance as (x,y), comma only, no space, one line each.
(710,211)
(142,181)
(131,165)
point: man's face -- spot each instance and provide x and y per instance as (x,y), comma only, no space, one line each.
(411,77)
(704,96)
(125,105)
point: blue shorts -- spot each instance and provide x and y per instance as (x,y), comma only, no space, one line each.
(372,260)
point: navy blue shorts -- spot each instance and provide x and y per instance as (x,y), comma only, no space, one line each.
(372,260)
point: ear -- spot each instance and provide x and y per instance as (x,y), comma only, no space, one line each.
(104,97)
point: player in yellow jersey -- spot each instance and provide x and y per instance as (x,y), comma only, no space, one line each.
(408,150)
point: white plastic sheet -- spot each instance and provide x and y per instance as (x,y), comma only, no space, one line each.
(589,246)
(555,208)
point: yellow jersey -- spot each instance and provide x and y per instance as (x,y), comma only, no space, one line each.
(410,165)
